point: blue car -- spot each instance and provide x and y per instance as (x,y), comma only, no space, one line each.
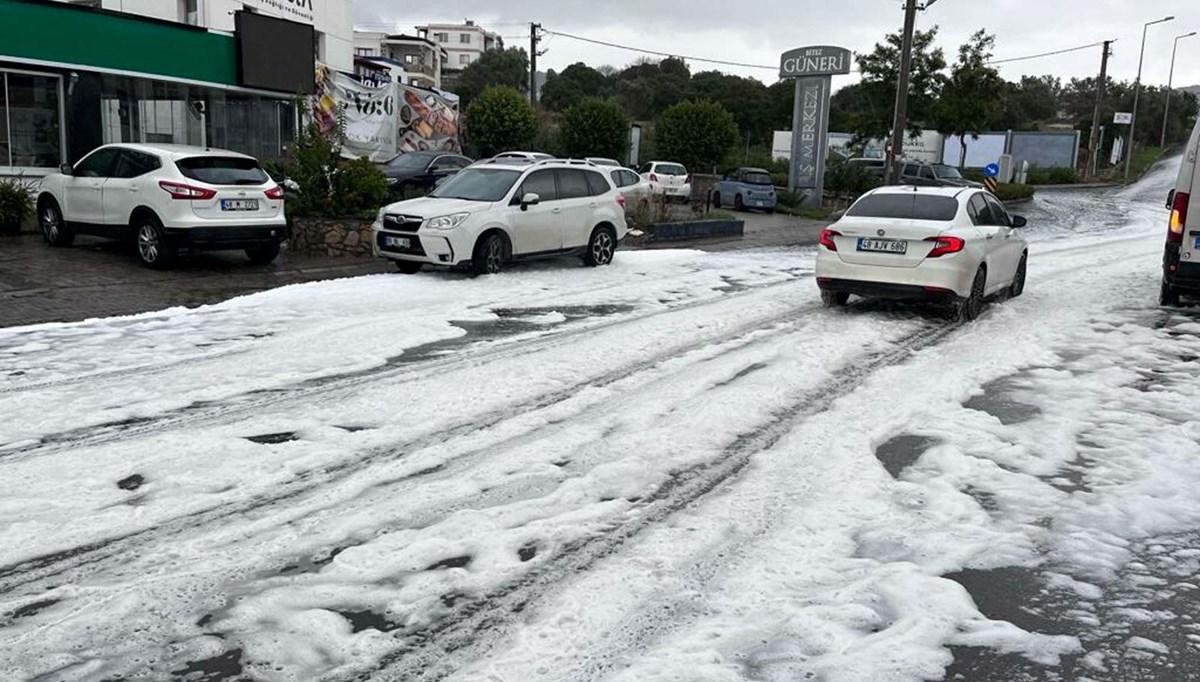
(746,188)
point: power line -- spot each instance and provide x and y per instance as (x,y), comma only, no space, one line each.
(773,67)
(1045,54)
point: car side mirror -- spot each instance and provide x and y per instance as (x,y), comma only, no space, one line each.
(1019,221)
(66,169)
(1171,199)
(530,199)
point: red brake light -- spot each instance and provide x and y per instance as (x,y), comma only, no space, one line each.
(178,190)
(1179,214)
(826,239)
(688,179)
(653,177)
(944,245)
(275,192)
(621,200)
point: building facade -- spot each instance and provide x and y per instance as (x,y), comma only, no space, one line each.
(410,60)
(464,43)
(76,74)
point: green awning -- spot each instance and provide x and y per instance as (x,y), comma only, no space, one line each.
(42,31)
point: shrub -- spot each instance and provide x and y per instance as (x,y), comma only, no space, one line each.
(501,119)
(1011,191)
(595,127)
(1051,176)
(849,181)
(329,186)
(16,203)
(696,134)
(359,188)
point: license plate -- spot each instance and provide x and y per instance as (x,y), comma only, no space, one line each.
(758,203)
(397,242)
(883,245)
(239,204)
(1198,242)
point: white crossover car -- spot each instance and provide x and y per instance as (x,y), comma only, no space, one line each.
(501,210)
(670,180)
(633,187)
(948,244)
(165,198)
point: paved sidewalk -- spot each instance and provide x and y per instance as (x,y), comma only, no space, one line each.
(100,278)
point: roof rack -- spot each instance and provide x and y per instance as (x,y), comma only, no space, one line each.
(569,162)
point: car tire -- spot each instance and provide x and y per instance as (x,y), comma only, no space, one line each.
(1018,284)
(408,267)
(834,299)
(716,200)
(152,247)
(738,205)
(970,307)
(488,258)
(1168,296)
(601,247)
(261,255)
(54,228)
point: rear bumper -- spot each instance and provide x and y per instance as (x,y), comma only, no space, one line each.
(1182,275)
(898,292)
(948,274)
(225,236)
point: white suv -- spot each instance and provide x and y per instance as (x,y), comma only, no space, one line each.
(500,210)
(165,198)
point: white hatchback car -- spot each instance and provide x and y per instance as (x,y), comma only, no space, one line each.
(938,244)
(670,180)
(633,187)
(496,211)
(165,198)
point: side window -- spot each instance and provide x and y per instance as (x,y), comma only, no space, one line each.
(459,162)
(618,178)
(631,178)
(927,173)
(999,212)
(131,164)
(979,211)
(98,164)
(540,183)
(572,184)
(647,168)
(596,183)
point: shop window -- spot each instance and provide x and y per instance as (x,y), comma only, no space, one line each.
(30,121)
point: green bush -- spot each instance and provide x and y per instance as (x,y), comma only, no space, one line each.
(595,127)
(1011,192)
(330,186)
(501,119)
(16,203)
(1052,176)
(848,181)
(359,188)
(695,134)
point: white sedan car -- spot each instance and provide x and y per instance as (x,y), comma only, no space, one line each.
(946,244)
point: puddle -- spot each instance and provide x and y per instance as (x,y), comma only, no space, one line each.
(452,562)
(34,608)
(131,482)
(996,400)
(223,667)
(367,620)
(356,429)
(900,452)
(527,552)
(273,438)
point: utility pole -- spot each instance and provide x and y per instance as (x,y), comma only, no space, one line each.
(1094,136)
(900,122)
(534,38)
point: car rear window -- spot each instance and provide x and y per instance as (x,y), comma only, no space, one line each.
(222,170)
(905,206)
(670,169)
(758,179)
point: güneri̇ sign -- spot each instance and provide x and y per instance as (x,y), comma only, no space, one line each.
(812,68)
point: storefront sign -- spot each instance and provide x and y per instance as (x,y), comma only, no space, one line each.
(812,68)
(809,148)
(296,10)
(821,60)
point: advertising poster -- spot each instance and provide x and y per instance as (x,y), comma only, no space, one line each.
(427,121)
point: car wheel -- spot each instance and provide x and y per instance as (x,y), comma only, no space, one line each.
(970,307)
(1018,283)
(716,200)
(152,247)
(737,203)
(1167,295)
(54,230)
(834,299)
(489,256)
(408,267)
(600,247)
(261,255)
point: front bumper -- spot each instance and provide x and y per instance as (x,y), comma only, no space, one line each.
(225,236)
(422,247)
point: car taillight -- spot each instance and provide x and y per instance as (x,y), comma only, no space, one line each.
(178,190)
(945,245)
(621,200)
(688,179)
(1179,211)
(275,192)
(826,239)
(653,177)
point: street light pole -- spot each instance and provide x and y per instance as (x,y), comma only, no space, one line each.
(1170,82)
(1137,93)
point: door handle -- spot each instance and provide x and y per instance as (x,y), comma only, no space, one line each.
(133,189)
(990,236)
(557,210)
(593,204)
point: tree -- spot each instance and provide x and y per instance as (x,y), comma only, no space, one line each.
(595,127)
(974,94)
(696,134)
(880,72)
(647,88)
(509,68)
(746,98)
(576,83)
(501,119)
(1033,101)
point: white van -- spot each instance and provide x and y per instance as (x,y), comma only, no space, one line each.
(1181,259)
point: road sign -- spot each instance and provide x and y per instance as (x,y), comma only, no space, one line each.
(989,182)
(1123,118)
(991,170)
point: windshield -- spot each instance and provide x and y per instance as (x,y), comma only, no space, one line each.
(408,161)
(222,170)
(478,184)
(670,169)
(947,172)
(905,206)
(758,179)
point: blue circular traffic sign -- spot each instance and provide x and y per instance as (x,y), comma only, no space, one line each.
(991,170)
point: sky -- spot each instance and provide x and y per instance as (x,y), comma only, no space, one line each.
(763,30)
